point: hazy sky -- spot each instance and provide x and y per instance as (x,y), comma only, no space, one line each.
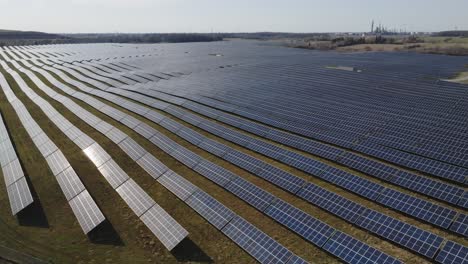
(230,15)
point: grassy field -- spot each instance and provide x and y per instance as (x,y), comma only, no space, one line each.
(457,46)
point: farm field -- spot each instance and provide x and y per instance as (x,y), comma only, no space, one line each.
(231,152)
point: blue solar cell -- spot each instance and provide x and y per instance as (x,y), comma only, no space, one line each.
(352,182)
(212,210)
(303,224)
(244,161)
(164,143)
(331,202)
(213,172)
(464,200)
(236,137)
(306,164)
(352,250)
(370,167)
(187,157)
(453,253)
(192,119)
(406,235)
(267,149)
(429,212)
(436,189)
(177,185)
(262,247)
(296,260)
(171,125)
(175,111)
(281,178)
(460,226)
(190,135)
(250,193)
(214,147)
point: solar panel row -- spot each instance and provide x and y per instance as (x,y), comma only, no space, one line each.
(351,182)
(131,193)
(169,147)
(420,184)
(141,203)
(452,191)
(85,209)
(218,106)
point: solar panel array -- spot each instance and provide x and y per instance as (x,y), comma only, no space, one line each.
(292,111)
(18,190)
(243,189)
(158,221)
(85,209)
(169,232)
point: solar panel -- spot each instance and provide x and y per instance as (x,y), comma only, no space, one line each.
(186,156)
(113,173)
(212,210)
(267,149)
(296,260)
(406,235)
(83,141)
(103,127)
(116,135)
(130,121)
(164,143)
(281,178)
(303,163)
(190,135)
(460,226)
(464,200)
(436,189)
(214,147)
(97,154)
(86,211)
(152,166)
(452,253)
(19,195)
(12,172)
(145,130)
(47,148)
(40,139)
(178,185)
(351,250)
(170,125)
(70,183)
(331,202)
(235,137)
(164,227)
(57,162)
(132,148)
(244,161)
(213,172)
(136,198)
(371,167)
(432,213)
(259,245)
(250,193)
(72,133)
(8,152)
(352,182)
(300,222)
(154,116)
(112,112)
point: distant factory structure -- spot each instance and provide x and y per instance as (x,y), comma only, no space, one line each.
(383,30)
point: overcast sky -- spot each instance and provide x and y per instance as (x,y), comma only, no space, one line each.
(76,16)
